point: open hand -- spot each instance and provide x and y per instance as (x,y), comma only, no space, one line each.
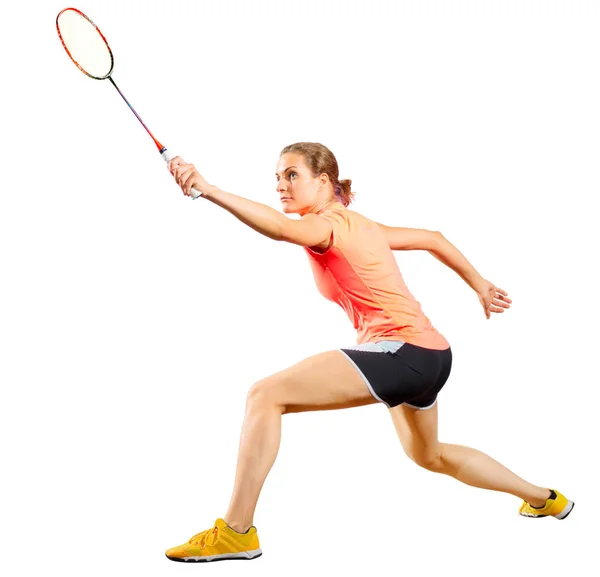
(492,298)
(187,177)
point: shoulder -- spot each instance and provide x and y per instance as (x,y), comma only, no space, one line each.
(309,230)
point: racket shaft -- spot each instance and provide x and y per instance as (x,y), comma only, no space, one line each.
(163,151)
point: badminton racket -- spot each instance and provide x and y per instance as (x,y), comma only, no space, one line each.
(88,49)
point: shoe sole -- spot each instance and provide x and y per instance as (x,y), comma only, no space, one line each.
(566,511)
(560,516)
(246,556)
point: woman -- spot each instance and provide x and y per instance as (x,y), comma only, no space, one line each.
(401,359)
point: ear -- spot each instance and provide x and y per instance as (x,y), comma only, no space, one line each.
(323,180)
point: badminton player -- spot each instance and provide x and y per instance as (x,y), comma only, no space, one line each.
(400,360)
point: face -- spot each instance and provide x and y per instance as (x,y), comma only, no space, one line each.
(299,191)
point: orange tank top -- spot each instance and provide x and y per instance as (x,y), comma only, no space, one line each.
(360,273)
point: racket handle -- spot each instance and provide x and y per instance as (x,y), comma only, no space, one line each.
(167,157)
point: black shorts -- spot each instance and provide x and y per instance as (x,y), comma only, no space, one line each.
(398,372)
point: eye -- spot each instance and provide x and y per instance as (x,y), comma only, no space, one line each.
(293,174)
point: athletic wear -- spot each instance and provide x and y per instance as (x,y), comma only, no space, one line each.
(218,543)
(557,505)
(360,273)
(398,372)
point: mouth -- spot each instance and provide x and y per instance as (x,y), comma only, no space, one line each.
(285,198)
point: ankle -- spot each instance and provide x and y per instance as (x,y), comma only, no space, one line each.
(541,499)
(238,527)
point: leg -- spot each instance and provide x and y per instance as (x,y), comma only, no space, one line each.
(418,432)
(322,382)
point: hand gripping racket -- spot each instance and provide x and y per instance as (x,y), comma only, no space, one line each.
(90,52)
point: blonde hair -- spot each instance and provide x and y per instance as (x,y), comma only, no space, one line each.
(321,160)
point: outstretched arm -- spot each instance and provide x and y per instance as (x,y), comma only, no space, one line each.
(310,230)
(493,299)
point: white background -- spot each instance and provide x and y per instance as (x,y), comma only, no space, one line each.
(134,320)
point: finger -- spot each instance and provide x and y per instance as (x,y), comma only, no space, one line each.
(501,304)
(183,173)
(502,295)
(175,169)
(186,176)
(195,181)
(188,180)
(175,162)
(181,170)
(496,310)
(189,184)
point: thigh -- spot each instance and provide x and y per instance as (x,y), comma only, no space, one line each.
(325,381)
(418,431)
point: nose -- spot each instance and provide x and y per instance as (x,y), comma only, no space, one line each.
(281,187)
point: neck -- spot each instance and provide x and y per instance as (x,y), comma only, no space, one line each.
(323,205)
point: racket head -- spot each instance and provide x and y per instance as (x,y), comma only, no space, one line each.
(84,43)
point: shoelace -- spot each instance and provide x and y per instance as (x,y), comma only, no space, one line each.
(203,538)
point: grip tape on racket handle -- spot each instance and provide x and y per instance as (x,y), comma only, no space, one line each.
(167,157)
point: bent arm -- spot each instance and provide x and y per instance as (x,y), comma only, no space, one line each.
(448,254)
(436,243)
(310,230)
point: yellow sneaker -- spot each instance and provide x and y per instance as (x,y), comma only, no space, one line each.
(557,505)
(219,542)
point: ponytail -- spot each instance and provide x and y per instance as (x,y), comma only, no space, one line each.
(344,192)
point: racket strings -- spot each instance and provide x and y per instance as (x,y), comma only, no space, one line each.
(84,43)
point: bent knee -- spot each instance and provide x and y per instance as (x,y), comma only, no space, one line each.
(263,392)
(430,460)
